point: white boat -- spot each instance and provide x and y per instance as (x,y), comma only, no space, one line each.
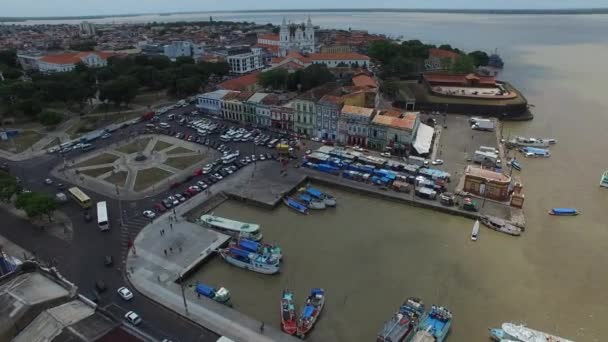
(265,264)
(604,179)
(475,231)
(234,228)
(532,142)
(524,334)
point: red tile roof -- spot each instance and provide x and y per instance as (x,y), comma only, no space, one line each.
(440,53)
(331,99)
(364,81)
(240,83)
(407,122)
(271,48)
(276,60)
(269,36)
(338,56)
(73,58)
(459,79)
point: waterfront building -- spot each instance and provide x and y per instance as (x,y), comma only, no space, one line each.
(243,60)
(211,103)
(182,49)
(63,62)
(328,112)
(486,183)
(232,105)
(393,129)
(440,59)
(282,117)
(353,125)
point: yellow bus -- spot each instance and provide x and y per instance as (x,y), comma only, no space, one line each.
(80,197)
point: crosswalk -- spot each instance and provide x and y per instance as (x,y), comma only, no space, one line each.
(131,227)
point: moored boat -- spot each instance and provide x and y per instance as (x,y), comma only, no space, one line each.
(250,261)
(532,142)
(220,295)
(329,200)
(564,212)
(295,205)
(520,333)
(604,179)
(437,322)
(475,231)
(515,164)
(311,203)
(231,227)
(311,311)
(533,152)
(288,313)
(402,325)
(500,225)
(258,247)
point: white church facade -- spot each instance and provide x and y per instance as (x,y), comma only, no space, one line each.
(291,38)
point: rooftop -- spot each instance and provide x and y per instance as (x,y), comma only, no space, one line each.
(459,79)
(364,81)
(215,95)
(487,174)
(331,99)
(240,83)
(269,36)
(440,53)
(257,97)
(361,111)
(408,121)
(337,56)
(73,58)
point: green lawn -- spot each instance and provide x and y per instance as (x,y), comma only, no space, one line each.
(20,142)
(135,146)
(183,162)
(119,178)
(96,172)
(147,177)
(104,158)
(161,145)
(93,121)
(179,150)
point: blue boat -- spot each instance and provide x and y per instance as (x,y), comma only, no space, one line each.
(311,203)
(266,264)
(220,295)
(295,205)
(258,247)
(329,200)
(437,323)
(311,311)
(402,325)
(535,152)
(516,165)
(564,212)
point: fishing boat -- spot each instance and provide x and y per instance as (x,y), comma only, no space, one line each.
(295,205)
(288,313)
(475,231)
(500,225)
(604,179)
(515,164)
(310,202)
(532,142)
(233,228)
(220,295)
(533,152)
(402,325)
(265,264)
(258,247)
(437,323)
(311,311)
(520,333)
(329,200)
(564,212)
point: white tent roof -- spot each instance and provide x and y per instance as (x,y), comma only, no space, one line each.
(424,137)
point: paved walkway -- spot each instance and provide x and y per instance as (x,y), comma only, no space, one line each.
(39,148)
(153,274)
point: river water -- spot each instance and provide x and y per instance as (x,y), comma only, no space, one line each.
(370,254)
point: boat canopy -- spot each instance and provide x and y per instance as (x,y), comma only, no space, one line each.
(305,198)
(308,311)
(239,252)
(564,210)
(205,290)
(249,245)
(317,291)
(314,192)
(295,204)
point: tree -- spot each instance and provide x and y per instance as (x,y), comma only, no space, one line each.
(80,67)
(121,90)
(400,66)
(9,58)
(275,78)
(36,204)
(462,65)
(50,118)
(30,107)
(187,86)
(383,50)
(8,186)
(184,60)
(159,62)
(480,58)
(315,75)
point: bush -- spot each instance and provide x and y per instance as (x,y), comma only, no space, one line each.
(49,118)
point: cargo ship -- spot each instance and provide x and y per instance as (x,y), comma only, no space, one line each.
(401,327)
(519,333)
(233,228)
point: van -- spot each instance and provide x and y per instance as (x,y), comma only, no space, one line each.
(488,149)
(164,125)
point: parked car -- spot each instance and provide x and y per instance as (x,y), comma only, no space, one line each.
(132,318)
(201,185)
(180,198)
(48,181)
(167,203)
(437,162)
(386,154)
(218,176)
(159,207)
(194,189)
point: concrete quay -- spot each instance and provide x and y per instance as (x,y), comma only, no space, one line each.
(156,276)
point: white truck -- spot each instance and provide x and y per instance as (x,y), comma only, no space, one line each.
(483,157)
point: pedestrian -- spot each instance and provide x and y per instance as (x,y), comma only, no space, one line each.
(180,249)
(171,225)
(158,277)
(161,232)
(171,249)
(165,252)
(262,328)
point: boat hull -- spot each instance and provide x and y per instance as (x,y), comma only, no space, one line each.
(295,205)
(563,212)
(305,326)
(288,315)
(501,226)
(251,266)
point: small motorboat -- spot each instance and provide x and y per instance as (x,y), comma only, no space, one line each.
(295,205)
(311,203)
(604,179)
(329,200)
(500,225)
(475,231)
(288,313)
(564,212)
(311,311)
(515,165)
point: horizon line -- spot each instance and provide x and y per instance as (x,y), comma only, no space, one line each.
(573,10)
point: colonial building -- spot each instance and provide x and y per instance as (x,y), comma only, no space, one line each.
(211,103)
(299,38)
(332,60)
(63,62)
(244,59)
(486,183)
(282,117)
(232,105)
(328,113)
(395,130)
(353,125)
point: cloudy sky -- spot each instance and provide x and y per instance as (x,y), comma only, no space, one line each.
(31,8)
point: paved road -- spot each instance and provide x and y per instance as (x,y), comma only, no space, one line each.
(81,260)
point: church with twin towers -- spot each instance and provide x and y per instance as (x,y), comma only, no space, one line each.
(296,37)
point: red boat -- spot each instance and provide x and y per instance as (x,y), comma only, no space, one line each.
(288,313)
